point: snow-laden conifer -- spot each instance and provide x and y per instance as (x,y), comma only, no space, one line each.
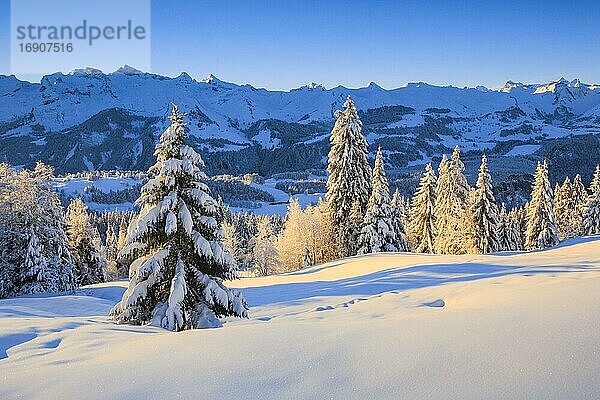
(541,220)
(591,211)
(484,213)
(37,276)
(86,247)
(502,229)
(176,279)
(422,222)
(514,227)
(579,198)
(306,258)
(350,173)
(452,216)
(564,208)
(28,202)
(378,233)
(398,217)
(357,218)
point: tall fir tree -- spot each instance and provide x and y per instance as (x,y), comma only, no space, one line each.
(306,258)
(180,263)
(591,211)
(111,243)
(85,245)
(378,233)
(564,208)
(580,198)
(541,220)
(28,202)
(453,222)
(422,222)
(484,213)
(37,277)
(520,220)
(349,174)
(514,227)
(357,218)
(398,217)
(504,243)
(122,262)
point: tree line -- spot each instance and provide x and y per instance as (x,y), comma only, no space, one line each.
(445,215)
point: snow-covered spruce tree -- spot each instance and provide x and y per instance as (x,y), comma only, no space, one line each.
(36,277)
(541,220)
(398,218)
(246,226)
(509,236)
(579,198)
(378,233)
(356,224)
(176,280)
(306,259)
(48,220)
(484,213)
(591,211)
(350,173)
(452,206)
(564,208)
(122,262)
(519,220)
(85,245)
(514,224)
(502,229)
(28,202)
(422,222)
(111,242)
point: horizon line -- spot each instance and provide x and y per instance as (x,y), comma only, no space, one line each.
(134,71)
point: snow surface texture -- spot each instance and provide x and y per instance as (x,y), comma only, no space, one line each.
(385,326)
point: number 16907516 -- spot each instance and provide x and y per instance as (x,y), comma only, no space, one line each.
(46,47)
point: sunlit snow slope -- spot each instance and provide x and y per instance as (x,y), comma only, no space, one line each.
(389,326)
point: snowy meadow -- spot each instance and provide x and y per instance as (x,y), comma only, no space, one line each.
(415,326)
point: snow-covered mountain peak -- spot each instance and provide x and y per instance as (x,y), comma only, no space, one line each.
(128,70)
(373,85)
(313,85)
(510,85)
(563,86)
(310,86)
(184,76)
(86,72)
(211,79)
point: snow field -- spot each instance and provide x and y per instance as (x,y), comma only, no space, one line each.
(512,326)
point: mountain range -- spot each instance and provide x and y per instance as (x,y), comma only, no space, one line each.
(89,120)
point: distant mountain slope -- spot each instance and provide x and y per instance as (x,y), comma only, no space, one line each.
(91,120)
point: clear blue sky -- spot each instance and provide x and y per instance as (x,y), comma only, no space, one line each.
(284,44)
